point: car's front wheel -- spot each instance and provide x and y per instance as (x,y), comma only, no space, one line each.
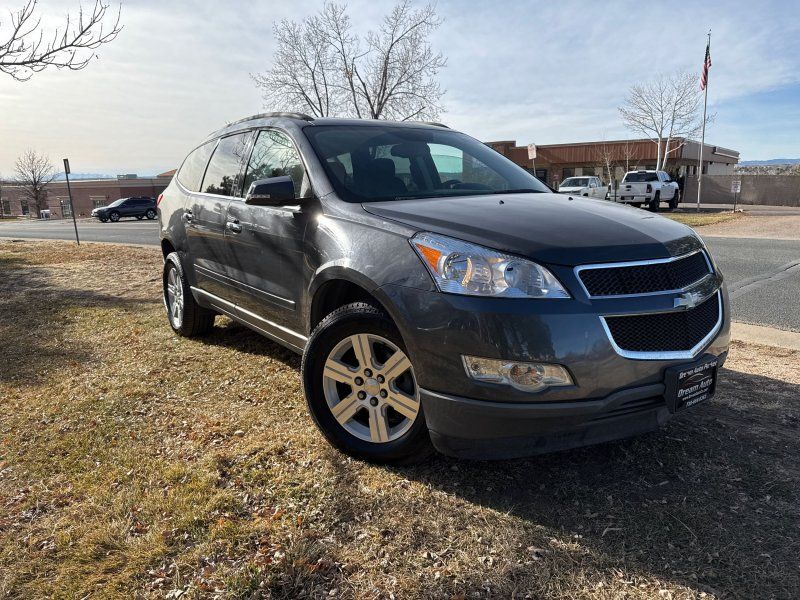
(675,200)
(139,217)
(185,316)
(361,388)
(104,219)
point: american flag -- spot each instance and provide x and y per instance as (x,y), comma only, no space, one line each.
(706,66)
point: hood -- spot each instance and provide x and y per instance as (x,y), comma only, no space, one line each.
(571,188)
(547,228)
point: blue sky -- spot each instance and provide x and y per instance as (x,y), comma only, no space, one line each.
(542,72)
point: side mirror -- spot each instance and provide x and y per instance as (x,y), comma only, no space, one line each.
(273,191)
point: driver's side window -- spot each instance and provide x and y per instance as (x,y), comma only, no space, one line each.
(274,155)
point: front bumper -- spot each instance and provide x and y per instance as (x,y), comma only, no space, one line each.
(613,396)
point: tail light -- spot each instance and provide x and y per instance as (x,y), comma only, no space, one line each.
(160,197)
(649,188)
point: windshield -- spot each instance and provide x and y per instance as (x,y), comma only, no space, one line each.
(576,182)
(117,202)
(640,177)
(367,163)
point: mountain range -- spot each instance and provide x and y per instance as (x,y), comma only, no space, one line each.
(771,161)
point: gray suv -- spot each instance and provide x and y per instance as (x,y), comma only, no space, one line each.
(440,295)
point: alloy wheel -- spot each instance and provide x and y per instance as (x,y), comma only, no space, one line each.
(174,297)
(370,388)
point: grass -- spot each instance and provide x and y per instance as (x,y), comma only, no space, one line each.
(695,219)
(134,463)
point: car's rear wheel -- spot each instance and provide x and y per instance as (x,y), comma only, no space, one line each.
(185,316)
(361,389)
(114,216)
(150,214)
(653,206)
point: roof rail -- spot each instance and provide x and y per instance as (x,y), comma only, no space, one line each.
(434,123)
(266,115)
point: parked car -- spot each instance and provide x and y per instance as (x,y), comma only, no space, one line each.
(650,188)
(140,207)
(437,291)
(591,187)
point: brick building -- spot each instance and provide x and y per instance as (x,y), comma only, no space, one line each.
(556,162)
(86,195)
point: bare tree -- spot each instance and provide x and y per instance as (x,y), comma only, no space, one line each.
(629,154)
(34,171)
(667,110)
(323,67)
(605,154)
(26,49)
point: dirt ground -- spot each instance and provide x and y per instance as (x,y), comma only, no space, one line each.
(783,227)
(134,463)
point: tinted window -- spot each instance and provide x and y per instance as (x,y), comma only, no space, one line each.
(223,173)
(640,177)
(576,182)
(117,202)
(192,169)
(274,155)
(386,162)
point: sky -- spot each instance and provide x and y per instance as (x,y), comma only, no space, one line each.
(534,72)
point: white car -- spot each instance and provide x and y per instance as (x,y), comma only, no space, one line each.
(583,186)
(650,188)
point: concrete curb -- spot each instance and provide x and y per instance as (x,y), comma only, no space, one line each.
(765,336)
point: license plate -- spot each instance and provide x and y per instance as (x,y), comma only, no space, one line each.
(688,385)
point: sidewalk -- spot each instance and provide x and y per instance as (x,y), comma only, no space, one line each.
(765,336)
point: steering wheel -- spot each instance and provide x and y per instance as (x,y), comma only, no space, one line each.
(451,183)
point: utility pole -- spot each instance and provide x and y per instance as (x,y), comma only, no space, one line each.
(71,205)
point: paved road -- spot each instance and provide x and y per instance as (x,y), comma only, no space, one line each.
(763,275)
(127,231)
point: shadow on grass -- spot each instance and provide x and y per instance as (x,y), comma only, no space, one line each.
(709,502)
(36,312)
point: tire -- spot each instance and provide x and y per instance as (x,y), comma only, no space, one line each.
(114,216)
(369,427)
(653,206)
(675,200)
(185,316)
(636,204)
(104,219)
(139,217)
(150,214)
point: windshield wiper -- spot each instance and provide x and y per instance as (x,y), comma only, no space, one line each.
(518,191)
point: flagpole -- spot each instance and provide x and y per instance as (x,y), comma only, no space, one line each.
(703,134)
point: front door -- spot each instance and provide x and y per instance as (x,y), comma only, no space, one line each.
(266,242)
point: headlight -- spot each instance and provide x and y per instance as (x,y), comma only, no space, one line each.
(462,268)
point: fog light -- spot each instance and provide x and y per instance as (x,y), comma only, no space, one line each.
(528,377)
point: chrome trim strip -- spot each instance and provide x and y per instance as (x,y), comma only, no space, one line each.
(639,263)
(671,355)
(242,315)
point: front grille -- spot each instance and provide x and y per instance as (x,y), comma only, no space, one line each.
(645,278)
(665,332)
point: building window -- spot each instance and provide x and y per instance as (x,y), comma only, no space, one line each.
(24,206)
(98,201)
(5,207)
(541,175)
(567,172)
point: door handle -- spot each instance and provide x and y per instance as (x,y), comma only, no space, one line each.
(234,226)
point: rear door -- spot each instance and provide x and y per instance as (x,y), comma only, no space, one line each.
(266,242)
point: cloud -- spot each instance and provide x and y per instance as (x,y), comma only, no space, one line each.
(532,71)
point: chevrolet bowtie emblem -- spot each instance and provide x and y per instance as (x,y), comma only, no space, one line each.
(688,300)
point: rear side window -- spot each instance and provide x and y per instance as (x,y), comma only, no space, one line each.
(192,169)
(223,176)
(274,155)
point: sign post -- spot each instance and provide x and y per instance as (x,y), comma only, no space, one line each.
(736,188)
(71,205)
(532,156)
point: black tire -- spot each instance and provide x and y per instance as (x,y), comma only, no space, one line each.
(358,318)
(653,206)
(675,200)
(636,204)
(139,217)
(195,320)
(150,214)
(114,217)
(104,219)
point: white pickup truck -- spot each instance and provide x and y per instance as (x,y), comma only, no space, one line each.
(587,185)
(650,188)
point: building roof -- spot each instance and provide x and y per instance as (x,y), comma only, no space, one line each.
(169,173)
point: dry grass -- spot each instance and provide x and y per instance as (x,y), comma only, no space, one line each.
(137,464)
(695,219)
